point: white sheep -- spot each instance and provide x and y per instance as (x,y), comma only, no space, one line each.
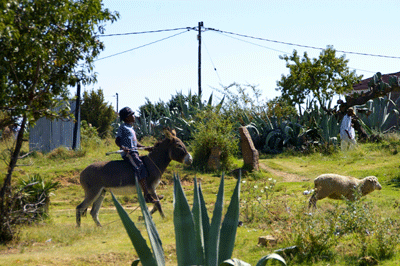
(337,186)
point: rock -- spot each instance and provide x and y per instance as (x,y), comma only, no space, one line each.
(214,161)
(267,240)
(367,261)
(249,152)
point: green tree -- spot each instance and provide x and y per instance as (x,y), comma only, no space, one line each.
(321,77)
(279,107)
(45,45)
(97,112)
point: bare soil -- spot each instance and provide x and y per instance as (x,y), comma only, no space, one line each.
(286,177)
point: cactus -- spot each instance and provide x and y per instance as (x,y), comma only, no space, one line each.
(198,242)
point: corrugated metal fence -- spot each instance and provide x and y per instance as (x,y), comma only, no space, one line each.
(47,135)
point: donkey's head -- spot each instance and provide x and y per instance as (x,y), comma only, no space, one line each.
(176,148)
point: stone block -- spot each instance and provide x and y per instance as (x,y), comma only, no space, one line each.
(249,152)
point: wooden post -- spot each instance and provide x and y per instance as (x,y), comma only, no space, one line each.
(77,106)
(199,61)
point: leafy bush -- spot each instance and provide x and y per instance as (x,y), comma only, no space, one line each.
(213,130)
(36,192)
(89,135)
(28,204)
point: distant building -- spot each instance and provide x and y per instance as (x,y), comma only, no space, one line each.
(47,134)
(363,85)
(394,96)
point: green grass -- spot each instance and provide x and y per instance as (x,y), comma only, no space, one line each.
(277,211)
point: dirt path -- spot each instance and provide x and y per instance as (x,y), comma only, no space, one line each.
(287,177)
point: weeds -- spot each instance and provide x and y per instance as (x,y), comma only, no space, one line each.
(317,235)
(258,203)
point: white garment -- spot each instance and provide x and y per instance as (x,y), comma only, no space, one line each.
(346,141)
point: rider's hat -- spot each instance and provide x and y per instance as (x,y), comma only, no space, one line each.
(125,112)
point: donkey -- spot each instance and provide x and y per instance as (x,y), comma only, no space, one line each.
(118,176)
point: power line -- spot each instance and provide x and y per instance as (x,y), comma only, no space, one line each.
(144,45)
(256,44)
(300,45)
(144,32)
(215,69)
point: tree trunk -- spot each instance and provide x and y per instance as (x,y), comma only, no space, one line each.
(6,189)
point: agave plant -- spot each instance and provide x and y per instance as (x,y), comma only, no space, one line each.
(383,113)
(198,242)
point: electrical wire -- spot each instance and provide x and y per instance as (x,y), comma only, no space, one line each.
(256,44)
(144,45)
(215,69)
(300,45)
(144,32)
(231,35)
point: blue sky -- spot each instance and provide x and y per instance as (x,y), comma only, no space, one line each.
(164,68)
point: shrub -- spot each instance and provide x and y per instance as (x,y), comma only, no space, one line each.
(213,130)
(35,195)
(89,135)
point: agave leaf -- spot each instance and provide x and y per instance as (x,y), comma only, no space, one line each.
(139,243)
(263,261)
(270,135)
(214,234)
(251,125)
(205,221)
(198,223)
(210,100)
(229,225)
(135,262)
(154,237)
(234,262)
(220,103)
(269,124)
(186,251)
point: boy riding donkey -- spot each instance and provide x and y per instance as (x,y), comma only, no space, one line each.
(126,141)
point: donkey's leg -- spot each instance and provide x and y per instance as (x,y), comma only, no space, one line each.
(96,207)
(157,207)
(81,208)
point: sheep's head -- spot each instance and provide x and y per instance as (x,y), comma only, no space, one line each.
(369,184)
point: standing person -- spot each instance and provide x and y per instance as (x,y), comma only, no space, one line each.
(126,140)
(347,133)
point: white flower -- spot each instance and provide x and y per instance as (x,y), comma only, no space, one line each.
(244,181)
(269,179)
(255,186)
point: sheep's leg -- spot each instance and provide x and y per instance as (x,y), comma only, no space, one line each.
(96,207)
(313,201)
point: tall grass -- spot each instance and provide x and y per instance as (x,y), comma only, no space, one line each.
(338,233)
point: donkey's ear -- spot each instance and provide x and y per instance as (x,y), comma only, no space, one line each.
(169,133)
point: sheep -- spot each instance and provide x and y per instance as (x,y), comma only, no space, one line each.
(336,186)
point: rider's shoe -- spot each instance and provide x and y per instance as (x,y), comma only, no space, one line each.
(151,198)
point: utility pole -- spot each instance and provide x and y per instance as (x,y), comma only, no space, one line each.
(77,106)
(117,101)
(199,67)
